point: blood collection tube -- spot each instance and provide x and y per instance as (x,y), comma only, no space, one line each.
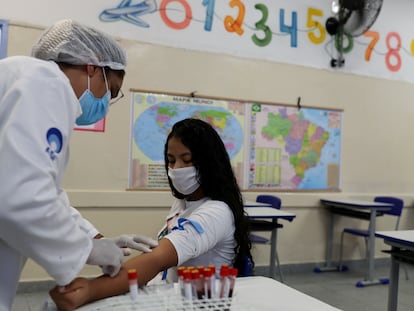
(198,288)
(213,281)
(133,284)
(180,273)
(232,280)
(224,281)
(201,270)
(188,291)
(207,283)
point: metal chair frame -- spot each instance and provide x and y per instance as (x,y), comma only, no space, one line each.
(395,211)
(268,226)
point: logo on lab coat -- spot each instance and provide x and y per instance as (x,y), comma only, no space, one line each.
(55,142)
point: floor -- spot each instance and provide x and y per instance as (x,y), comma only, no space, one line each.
(335,288)
(338,289)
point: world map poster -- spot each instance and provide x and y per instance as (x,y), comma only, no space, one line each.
(271,147)
(153,116)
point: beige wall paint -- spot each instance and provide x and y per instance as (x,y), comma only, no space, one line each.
(377,147)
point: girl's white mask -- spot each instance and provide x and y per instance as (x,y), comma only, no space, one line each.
(184,179)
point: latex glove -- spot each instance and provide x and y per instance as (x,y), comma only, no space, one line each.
(135,241)
(106,254)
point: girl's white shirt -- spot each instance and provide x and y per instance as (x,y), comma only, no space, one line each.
(215,245)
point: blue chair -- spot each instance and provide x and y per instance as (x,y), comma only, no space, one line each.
(396,210)
(247,269)
(257,225)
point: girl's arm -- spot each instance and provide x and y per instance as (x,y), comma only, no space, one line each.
(148,265)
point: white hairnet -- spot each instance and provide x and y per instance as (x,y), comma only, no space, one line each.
(70,42)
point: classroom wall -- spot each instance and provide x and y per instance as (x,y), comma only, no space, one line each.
(377,147)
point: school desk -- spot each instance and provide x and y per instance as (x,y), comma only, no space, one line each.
(402,249)
(250,293)
(259,211)
(361,209)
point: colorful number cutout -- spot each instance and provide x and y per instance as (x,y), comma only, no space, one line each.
(393,52)
(339,42)
(312,23)
(263,36)
(173,24)
(412,47)
(232,25)
(292,29)
(209,14)
(375,38)
(261,25)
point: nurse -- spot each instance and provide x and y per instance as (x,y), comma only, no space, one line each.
(75,73)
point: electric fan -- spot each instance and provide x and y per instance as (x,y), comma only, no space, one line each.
(352,19)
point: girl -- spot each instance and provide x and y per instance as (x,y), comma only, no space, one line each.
(206,224)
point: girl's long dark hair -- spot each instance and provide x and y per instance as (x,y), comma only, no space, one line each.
(216,176)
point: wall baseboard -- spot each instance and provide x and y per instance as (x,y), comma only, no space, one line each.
(308,267)
(46,285)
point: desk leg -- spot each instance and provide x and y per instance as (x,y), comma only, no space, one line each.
(272,253)
(330,241)
(274,256)
(393,287)
(369,279)
(328,265)
(371,245)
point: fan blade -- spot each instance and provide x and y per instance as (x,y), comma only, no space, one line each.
(361,20)
(355,23)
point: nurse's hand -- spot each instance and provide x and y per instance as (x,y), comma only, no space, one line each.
(71,296)
(106,254)
(134,241)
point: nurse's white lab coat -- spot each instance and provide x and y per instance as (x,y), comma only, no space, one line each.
(38,109)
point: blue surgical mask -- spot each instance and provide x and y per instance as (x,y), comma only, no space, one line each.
(93,109)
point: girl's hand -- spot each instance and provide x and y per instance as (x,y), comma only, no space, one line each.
(71,296)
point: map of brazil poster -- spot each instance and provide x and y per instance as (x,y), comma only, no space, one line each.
(271,146)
